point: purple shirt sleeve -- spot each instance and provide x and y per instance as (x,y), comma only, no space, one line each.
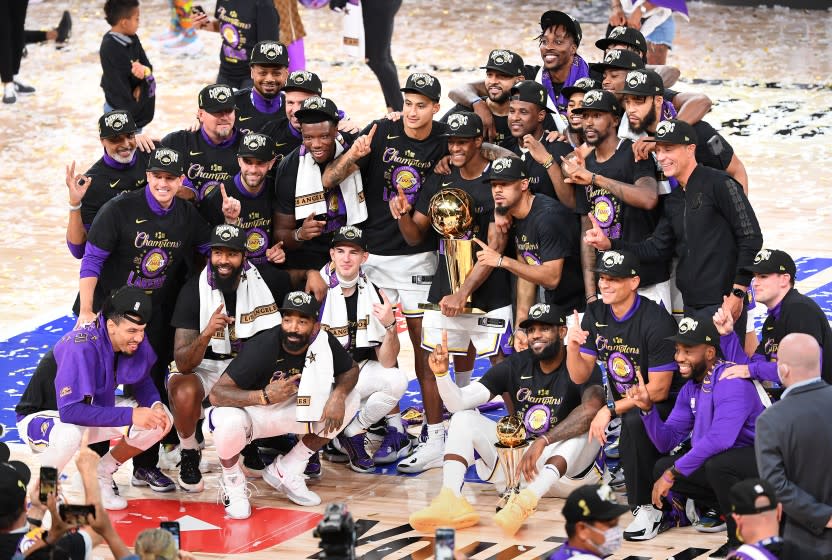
(758,367)
(667,434)
(76,251)
(82,414)
(145,392)
(93,261)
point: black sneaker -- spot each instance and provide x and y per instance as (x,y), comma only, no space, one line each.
(253,465)
(154,478)
(64,28)
(724,550)
(190,479)
(313,466)
(334,455)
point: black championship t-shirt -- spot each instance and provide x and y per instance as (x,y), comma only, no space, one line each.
(493,293)
(286,138)
(206,164)
(550,232)
(503,137)
(243,24)
(541,399)
(186,313)
(108,179)
(634,342)
(251,114)
(263,359)
(147,251)
(618,219)
(396,160)
(255,216)
(539,180)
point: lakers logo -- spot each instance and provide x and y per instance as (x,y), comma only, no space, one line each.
(299,298)
(457,120)
(230,35)
(422,80)
(537,419)
(255,242)
(154,262)
(166,156)
(501,57)
(271,50)
(406,177)
(300,77)
(350,232)
(603,212)
(254,141)
(620,366)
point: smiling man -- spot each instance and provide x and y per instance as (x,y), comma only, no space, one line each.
(263,101)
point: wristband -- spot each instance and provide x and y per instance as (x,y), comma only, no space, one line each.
(590,296)
(549,161)
(296,235)
(673,472)
(441,373)
(666,479)
(592,181)
(390,326)
(75,207)
(265,396)
(475,100)
(500,262)
(613,413)
(34,522)
(546,439)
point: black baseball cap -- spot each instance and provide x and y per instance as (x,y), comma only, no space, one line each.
(269,53)
(216,98)
(673,131)
(582,84)
(230,237)
(504,61)
(544,313)
(694,331)
(317,109)
(128,300)
(554,17)
(300,302)
(530,92)
(599,100)
(744,495)
(116,123)
(646,83)
(592,502)
(772,261)
(424,84)
(351,235)
(464,124)
(616,263)
(509,168)
(256,145)
(14,477)
(622,35)
(167,160)
(303,80)
(619,59)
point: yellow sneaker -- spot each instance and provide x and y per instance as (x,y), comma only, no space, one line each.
(446,510)
(516,511)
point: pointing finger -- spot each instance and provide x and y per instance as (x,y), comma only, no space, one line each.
(640,378)
(577,318)
(594,220)
(219,309)
(384,297)
(444,340)
(222,191)
(310,217)
(372,132)
(480,243)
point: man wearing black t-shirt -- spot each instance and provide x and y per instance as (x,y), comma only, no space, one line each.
(216,311)
(555,411)
(575,97)
(263,101)
(241,24)
(121,169)
(626,333)
(211,152)
(545,235)
(281,383)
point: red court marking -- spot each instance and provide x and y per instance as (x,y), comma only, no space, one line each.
(205,528)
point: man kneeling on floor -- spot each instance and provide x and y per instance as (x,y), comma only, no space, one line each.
(290,379)
(554,410)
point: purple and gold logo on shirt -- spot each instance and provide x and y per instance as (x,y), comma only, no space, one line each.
(256,241)
(538,419)
(154,262)
(604,211)
(622,370)
(230,34)
(531,258)
(409,179)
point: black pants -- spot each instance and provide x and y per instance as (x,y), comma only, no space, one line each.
(378,16)
(639,455)
(12,16)
(710,484)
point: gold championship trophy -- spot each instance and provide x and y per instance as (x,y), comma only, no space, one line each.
(450,213)
(511,445)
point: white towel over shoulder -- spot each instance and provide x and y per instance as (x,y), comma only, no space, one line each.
(315,380)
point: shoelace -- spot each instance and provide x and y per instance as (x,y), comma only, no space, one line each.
(245,491)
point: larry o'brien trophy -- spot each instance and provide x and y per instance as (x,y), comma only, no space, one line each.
(450,213)
(511,445)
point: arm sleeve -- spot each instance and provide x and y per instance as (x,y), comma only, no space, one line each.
(145,391)
(734,206)
(656,248)
(465,398)
(93,260)
(588,324)
(670,433)
(102,240)
(76,251)
(82,414)
(662,352)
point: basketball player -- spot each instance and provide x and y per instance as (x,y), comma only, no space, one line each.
(575,94)
(554,410)
(263,101)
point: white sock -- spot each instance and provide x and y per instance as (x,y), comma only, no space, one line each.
(189,442)
(108,464)
(395,420)
(354,428)
(436,433)
(9,90)
(463,378)
(544,480)
(233,475)
(453,476)
(295,461)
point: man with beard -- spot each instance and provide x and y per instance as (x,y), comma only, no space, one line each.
(502,71)
(642,97)
(361,317)
(616,192)
(545,235)
(145,239)
(718,414)
(307,213)
(211,152)
(263,101)
(470,335)
(230,301)
(60,405)
(281,383)
(626,333)
(120,169)
(575,94)
(555,411)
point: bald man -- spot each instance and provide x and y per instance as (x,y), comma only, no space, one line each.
(789,434)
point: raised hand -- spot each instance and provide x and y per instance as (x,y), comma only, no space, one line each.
(384,311)
(487,256)
(282,388)
(399,206)
(595,236)
(217,322)
(639,395)
(276,254)
(521,341)
(576,173)
(723,321)
(230,206)
(77,185)
(536,149)
(311,228)
(576,335)
(438,359)
(362,145)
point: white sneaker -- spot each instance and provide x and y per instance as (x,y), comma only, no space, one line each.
(646,525)
(234,494)
(429,455)
(293,485)
(185,46)
(169,457)
(109,499)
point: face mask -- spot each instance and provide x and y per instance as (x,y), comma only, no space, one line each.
(612,540)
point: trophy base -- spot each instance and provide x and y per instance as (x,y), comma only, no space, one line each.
(467,309)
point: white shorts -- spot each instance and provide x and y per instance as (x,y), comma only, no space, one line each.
(405,279)
(208,372)
(373,377)
(660,293)
(465,329)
